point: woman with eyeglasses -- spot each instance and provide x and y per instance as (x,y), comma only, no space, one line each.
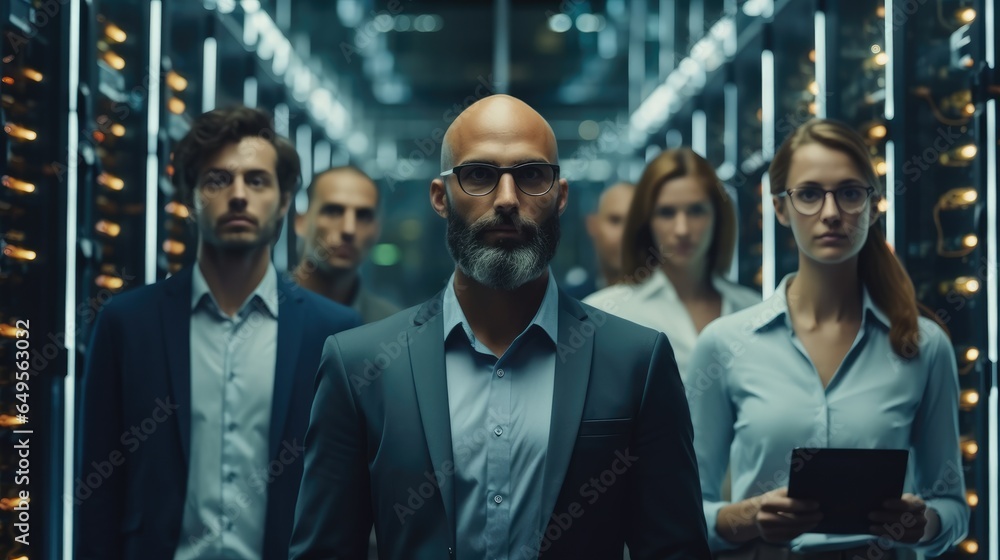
(677,246)
(837,357)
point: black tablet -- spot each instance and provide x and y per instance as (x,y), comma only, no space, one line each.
(848,484)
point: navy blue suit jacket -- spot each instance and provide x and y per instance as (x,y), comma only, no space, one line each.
(130,489)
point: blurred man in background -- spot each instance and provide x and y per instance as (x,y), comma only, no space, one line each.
(605,228)
(338,229)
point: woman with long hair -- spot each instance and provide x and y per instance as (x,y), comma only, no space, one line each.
(677,246)
(837,357)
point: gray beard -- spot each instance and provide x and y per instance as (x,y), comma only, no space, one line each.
(509,264)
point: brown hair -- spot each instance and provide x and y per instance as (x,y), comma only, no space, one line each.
(211,131)
(881,272)
(637,239)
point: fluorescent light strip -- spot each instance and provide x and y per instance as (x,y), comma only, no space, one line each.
(666,39)
(209,75)
(655,110)
(991,226)
(501,46)
(152,211)
(281,119)
(767,255)
(699,133)
(321,156)
(734,265)
(767,103)
(991,46)
(993,430)
(153,124)
(69,340)
(155,28)
(767,150)
(250,91)
(303,145)
(819,22)
(636,56)
(730,99)
(890,88)
(263,35)
(731,117)
(890,194)
(994,516)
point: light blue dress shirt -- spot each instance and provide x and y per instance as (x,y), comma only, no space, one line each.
(755,395)
(232,380)
(500,416)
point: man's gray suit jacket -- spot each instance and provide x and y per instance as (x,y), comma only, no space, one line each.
(379,445)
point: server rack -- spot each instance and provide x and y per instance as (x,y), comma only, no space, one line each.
(33,239)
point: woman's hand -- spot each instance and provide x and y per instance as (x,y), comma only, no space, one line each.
(903,519)
(781,519)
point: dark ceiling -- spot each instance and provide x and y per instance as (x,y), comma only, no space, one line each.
(560,74)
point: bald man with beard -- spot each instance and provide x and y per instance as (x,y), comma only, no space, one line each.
(501,418)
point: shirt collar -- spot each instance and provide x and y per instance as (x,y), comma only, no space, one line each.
(776,307)
(546,318)
(659,286)
(266,291)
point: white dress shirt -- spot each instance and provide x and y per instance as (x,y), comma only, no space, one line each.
(655,304)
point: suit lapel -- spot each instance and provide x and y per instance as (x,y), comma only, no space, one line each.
(175,309)
(426,343)
(290,323)
(572,375)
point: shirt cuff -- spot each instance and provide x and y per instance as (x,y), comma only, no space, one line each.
(954,519)
(715,541)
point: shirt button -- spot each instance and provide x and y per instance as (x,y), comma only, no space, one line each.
(232,426)
(498,498)
(498,431)
(231,477)
(499,373)
(232,375)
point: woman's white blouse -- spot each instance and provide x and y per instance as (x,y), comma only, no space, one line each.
(655,304)
(755,395)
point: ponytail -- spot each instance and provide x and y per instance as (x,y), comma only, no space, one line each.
(879,270)
(892,291)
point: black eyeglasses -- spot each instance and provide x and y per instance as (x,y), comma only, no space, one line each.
(809,200)
(479,179)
